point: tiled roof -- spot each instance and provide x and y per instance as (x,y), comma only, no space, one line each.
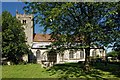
(42,38)
(46,38)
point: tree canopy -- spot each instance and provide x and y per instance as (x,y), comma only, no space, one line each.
(13,37)
(89,23)
(112,54)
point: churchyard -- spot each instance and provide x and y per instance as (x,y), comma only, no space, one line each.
(67,70)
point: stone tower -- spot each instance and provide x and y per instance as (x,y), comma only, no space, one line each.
(27,21)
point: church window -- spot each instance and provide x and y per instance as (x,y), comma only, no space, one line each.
(38,54)
(71,55)
(24,21)
(81,54)
(94,53)
(101,50)
(44,56)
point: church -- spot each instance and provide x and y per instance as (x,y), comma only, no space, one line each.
(38,43)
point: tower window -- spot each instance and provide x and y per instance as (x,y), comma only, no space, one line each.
(24,21)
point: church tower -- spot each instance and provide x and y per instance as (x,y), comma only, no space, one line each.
(27,23)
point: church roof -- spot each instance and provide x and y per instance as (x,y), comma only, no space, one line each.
(42,38)
(46,38)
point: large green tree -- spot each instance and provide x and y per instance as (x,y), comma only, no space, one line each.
(116,44)
(88,23)
(112,54)
(0,45)
(13,39)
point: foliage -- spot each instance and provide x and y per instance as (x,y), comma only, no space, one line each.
(0,22)
(13,37)
(0,43)
(116,45)
(112,54)
(88,24)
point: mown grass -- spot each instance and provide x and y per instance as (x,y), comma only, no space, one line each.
(75,70)
(24,71)
(68,70)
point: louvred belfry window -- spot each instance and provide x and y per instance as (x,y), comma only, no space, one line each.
(24,21)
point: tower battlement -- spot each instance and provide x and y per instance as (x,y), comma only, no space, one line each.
(24,16)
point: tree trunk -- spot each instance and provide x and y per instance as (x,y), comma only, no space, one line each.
(87,51)
(87,60)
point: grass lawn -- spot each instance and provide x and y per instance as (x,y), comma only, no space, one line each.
(24,71)
(71,70)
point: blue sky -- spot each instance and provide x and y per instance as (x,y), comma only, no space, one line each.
(13,6)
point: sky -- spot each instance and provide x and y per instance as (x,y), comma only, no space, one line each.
(13,6)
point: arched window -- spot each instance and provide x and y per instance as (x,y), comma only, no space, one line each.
(94,53)
(81,54)
(101,50)
(38,54)
(71,54)
(44,56)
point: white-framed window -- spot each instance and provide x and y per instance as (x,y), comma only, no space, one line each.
(81,54)
(38,54)
(71,54)
(94,53)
